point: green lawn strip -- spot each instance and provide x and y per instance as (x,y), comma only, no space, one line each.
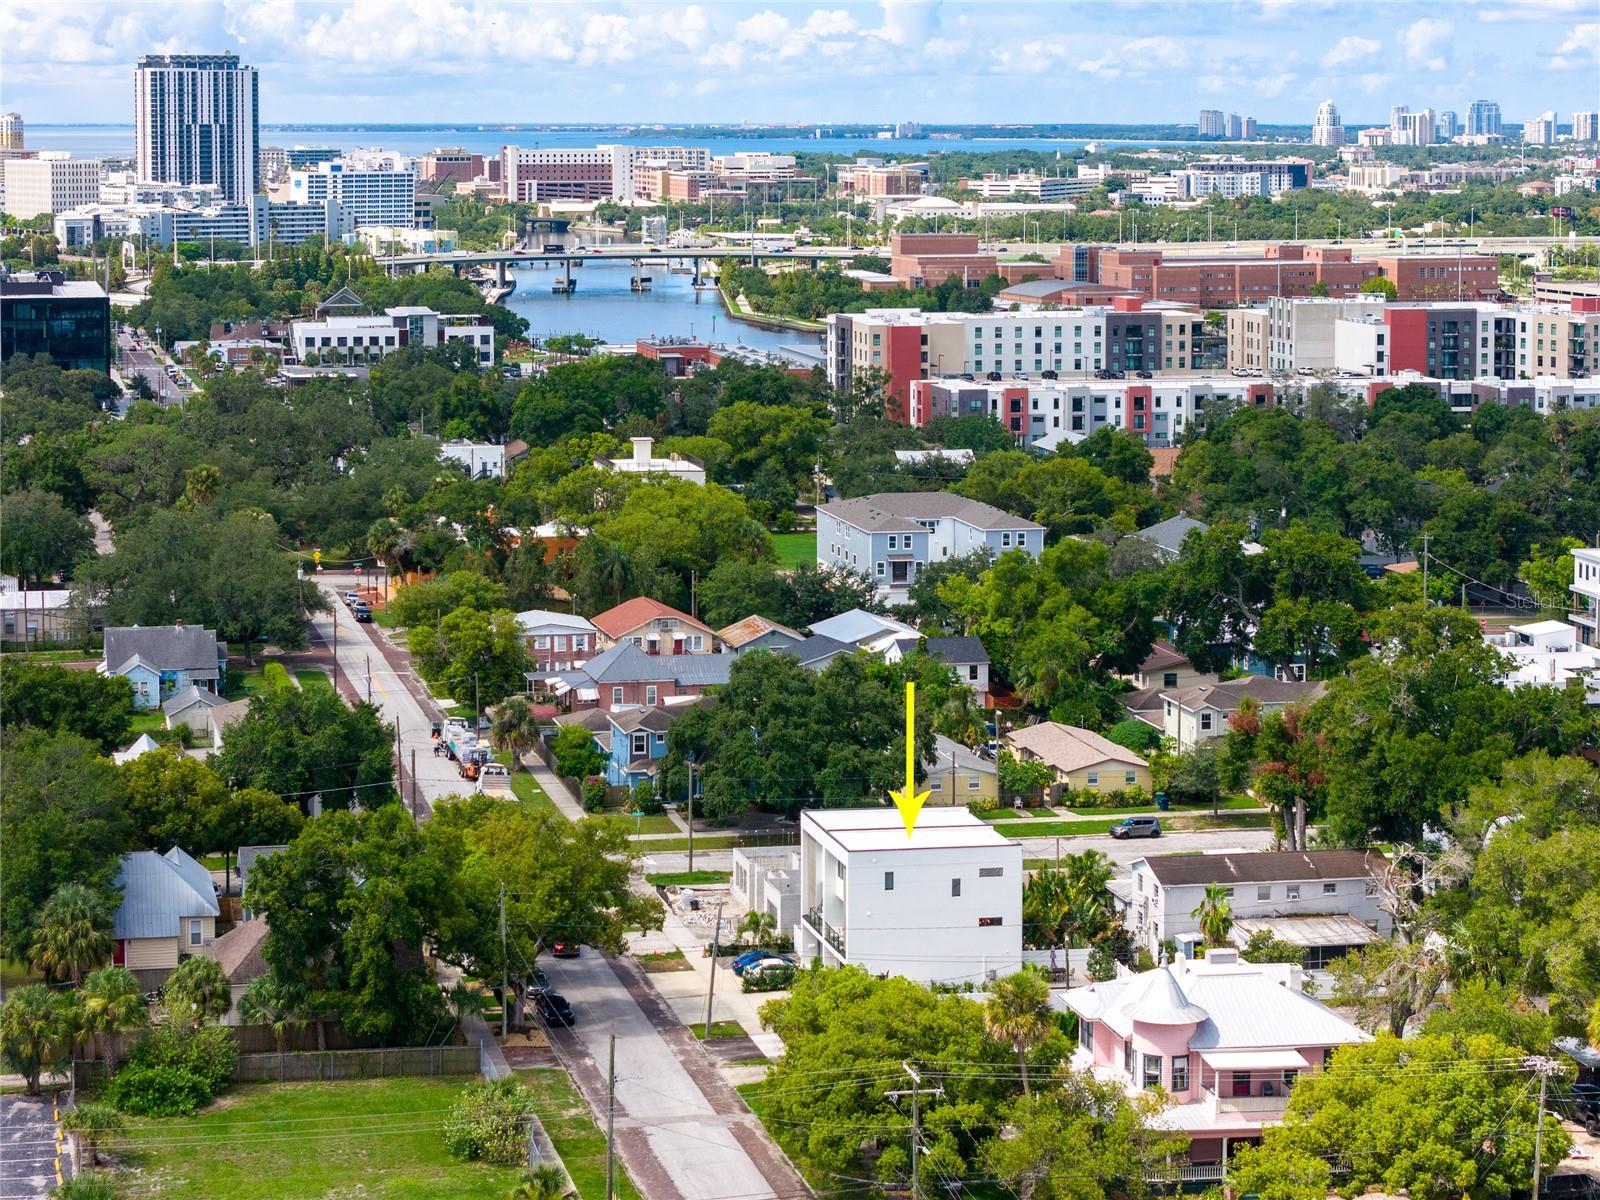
(578,1140)
(1053,828)
(1171,822)
(649,823)
(311,680)
(50,656)
(377,1138)
(719,1029)
(718,841)
(526,788)
(1226,803)
(1012,814)
(687,878)
(793,549)
(153,721)
(243,682)
(662,961)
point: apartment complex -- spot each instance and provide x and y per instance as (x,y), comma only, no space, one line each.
(1483,119)
(1233,177)
(13,135)
(371,197)
(908,344)
(253,223)
(196,120)
(50,183)
(889,537)
(873,177)
(1327,129)
(1048,189)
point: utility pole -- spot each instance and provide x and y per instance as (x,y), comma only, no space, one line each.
(915,1092)
(1546,1068)
(1425,570)
(414,783)
(711,988)
(505,970)
(611,1116)
(689,759)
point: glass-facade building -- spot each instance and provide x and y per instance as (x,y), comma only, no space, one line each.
(43,313)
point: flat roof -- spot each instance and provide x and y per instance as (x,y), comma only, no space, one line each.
(860,830)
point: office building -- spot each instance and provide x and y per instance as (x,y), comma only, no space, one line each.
(538,176)
(942,904)
(1483,119)
(1235,127)
(1048,189)
(1407,128)
(12,134)
(1446,126)
(361,338)
(370,197)
(1586,126)
(1212,123)
(277,162)
(1541,131)
(42,312)
(630,164)
(1327,129)
(50,183)
(1234,177)
(1247,130)
(875,177)
(160,221)
(196,120)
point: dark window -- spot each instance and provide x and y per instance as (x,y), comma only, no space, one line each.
(955,887)
(888,881)
(990,922)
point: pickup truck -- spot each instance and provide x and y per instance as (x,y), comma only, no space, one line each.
(494,780)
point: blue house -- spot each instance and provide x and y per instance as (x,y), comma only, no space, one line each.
(635,741)
(161,660)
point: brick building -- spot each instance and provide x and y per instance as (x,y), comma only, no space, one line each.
(928,259)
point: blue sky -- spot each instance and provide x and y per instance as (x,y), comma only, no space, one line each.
(990,61)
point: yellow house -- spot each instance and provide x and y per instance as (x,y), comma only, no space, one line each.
(168,910)
(1081,758)
(957,775)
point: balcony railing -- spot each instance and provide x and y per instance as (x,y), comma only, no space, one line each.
(1254,1106)
(832,934)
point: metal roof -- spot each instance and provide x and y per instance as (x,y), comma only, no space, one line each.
(1169,534)
(1319,929)
(858,625)
(158,892)
(1263,866)
(627,663)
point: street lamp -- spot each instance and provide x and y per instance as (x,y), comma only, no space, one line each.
(688,758)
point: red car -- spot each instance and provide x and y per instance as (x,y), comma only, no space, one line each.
(565,949)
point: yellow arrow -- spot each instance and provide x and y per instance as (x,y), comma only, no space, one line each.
(910,801)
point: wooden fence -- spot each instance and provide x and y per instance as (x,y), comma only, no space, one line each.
(357,1064)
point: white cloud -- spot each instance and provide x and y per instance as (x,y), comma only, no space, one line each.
(1422,39)
(1531,10)
(1351,49)
(1275,85)
(1138,57)
(1580,49)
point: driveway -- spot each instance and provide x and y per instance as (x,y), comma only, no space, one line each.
(27,1147)
(682,1132)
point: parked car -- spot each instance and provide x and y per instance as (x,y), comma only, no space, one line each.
(1132,827)
(553,1008)
(349,597)
(750,957)
(565,950)
(363,616)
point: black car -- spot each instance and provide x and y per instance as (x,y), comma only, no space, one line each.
(553,1008)
(363,616)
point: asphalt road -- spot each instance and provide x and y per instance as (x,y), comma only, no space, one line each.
(143,362)
(369,673)
(27,1147)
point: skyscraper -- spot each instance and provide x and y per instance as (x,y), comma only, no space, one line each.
(1446,126)
(1586,126)
(1212,123)
(196,120)
(11,132)
(1483,118)
(1542,131)
(1327,129)
(1235,127)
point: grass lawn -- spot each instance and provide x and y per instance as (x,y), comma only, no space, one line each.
(1227,803)
(649,823)
(312,680)
(706,841)
(50,656)
(1053,828)
(1171,822)
(374,1138)
(719,1029)
(660,961)
(581,1143)
(687,878)
(243,682)
(526,788)
(795,548)
(14,973)
(153,721)
(1012,814)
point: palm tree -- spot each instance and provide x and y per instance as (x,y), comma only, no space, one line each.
(515,727)
(113,1006)
(73,935)
(756,927)
(201,484)
(93,1122)
(1215,915)
(276,1004)
(198,992)
(961,718)
(36,1033)
(545,1182)
(464,1000)
(1017,1013)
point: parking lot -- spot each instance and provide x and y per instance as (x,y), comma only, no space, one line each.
(27,1147)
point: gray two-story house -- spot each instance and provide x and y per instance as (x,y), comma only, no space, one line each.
(890,536)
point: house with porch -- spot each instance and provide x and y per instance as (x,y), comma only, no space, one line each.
(1190,716)
(159,660)
(656,628)
(635,741)
(1082,759)
(627,677)
(168,912)
(1324,900)
(1225,1039)
(557,641)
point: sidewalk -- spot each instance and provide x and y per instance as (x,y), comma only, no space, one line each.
(562,798)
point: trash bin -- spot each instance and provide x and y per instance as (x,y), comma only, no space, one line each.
(1161,801)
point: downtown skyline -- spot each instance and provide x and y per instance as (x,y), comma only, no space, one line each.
(918,60)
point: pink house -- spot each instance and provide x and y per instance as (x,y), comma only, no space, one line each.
(1226,1040)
